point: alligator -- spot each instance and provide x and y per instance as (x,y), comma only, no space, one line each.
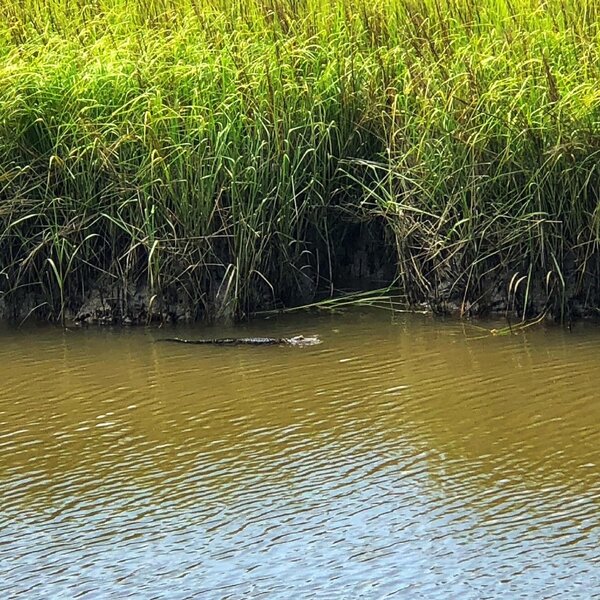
(298,340)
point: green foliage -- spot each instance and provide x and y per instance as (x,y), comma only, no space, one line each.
(212,146)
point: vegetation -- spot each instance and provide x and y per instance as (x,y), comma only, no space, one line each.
(219,149)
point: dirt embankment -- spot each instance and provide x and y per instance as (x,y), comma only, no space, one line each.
(364,259)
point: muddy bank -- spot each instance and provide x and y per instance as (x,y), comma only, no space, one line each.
(141,307)
(363,260)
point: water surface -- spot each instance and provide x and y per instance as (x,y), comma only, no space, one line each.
(405,457)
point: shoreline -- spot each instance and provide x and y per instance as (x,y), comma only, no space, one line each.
(205,162)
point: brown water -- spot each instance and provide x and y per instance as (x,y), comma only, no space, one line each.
(398,459)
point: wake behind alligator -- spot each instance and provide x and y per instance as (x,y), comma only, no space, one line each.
(298,340)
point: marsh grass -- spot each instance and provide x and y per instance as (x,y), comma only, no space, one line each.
(217,149)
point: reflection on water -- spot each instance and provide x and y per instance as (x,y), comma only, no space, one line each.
(406,458)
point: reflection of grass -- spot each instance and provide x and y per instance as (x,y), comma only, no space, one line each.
(217,148)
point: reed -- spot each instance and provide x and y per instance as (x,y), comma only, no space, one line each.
(216,150)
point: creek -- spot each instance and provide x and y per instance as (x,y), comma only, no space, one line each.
(402,457)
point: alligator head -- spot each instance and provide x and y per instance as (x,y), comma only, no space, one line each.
(300,340)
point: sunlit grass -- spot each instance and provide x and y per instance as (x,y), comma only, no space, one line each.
(216,149)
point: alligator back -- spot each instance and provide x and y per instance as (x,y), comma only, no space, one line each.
(298,340)
(228,341)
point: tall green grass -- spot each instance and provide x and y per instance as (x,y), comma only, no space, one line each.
(216,150)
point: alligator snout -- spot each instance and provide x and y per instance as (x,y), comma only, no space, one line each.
(300,340)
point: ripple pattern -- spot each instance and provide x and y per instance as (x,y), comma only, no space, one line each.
(398,459)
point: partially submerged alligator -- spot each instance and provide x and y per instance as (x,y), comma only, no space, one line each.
(298,340)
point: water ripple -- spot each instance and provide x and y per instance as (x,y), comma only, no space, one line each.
(397,459)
